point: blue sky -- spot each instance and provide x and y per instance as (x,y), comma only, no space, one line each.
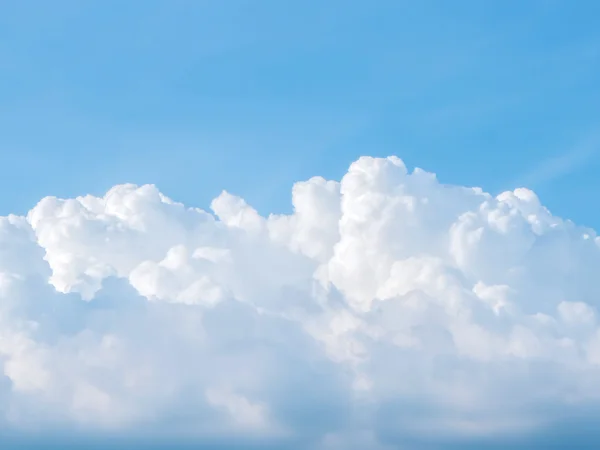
(251,96)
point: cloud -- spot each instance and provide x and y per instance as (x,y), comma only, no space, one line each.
(388,311)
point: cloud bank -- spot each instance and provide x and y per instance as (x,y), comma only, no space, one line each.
(388,311)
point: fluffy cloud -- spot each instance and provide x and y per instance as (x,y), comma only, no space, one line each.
(389,309)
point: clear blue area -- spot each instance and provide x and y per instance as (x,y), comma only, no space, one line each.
(250,96)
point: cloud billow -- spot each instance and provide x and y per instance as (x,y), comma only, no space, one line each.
(389,309)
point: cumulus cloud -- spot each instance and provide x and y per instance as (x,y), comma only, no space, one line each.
(387,310)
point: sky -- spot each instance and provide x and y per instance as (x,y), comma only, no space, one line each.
(305,225)
(251,96)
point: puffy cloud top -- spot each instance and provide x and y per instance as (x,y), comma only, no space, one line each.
(389,309)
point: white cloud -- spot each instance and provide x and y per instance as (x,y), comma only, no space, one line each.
(387,309)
